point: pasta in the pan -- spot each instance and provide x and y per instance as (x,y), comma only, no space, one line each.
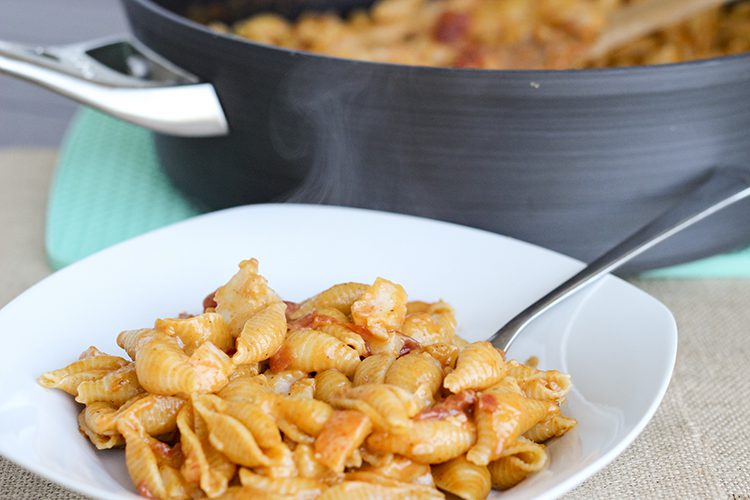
(489,34)
(353,392)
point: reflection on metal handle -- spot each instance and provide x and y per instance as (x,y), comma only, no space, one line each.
(725,187)
(123,79)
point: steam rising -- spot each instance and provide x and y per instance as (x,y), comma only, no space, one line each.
(321,137)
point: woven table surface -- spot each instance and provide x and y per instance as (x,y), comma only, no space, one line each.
(697,446)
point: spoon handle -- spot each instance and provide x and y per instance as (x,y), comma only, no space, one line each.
(725,187)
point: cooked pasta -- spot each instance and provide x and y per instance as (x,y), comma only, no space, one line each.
(329,384)
(418,373)
(116,387)
(310,350)
(243,296)
(262,334)
(204,466)
(299,487)
(353,393)
(101,441)
(92,365)
(196,330)
(502,416)
(479,366)
(428,441)
(554,425)
(516,462)
(372,369)
(339,297)
(157,414)
(492,34)
(388,406)
(546,385)
(381,309)
(463,478)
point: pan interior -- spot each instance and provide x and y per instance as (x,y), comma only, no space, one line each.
(204,11)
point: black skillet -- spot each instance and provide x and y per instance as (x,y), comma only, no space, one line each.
(570,160)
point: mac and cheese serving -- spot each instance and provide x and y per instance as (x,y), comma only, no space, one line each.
(493,34)
(355,391)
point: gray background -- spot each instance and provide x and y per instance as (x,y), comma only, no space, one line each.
(29,115)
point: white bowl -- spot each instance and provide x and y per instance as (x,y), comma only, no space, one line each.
(618,343)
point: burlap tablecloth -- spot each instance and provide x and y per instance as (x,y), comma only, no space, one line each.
(697,446)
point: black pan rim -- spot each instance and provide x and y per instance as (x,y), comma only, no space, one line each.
(564,74)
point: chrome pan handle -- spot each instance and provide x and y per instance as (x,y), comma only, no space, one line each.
(124,79)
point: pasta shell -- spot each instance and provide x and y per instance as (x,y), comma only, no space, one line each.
(262,334)
(313,351)
(282,382)
(442,313)
(93,365)
(307,415)
(502,417)
(301,487)
(227,434)
(393,345)
(257,420)
(417,306)
(132,340)
(479,366)
(157,414)
(372,370)
(445,354)
(194,331)
(100,417)
(463,479)
(250,389)
(427,441)
(245,370)
(333,313)
(364,490)
(115,387)
(538,384)
(282,463)
(418,373)
(399,468)
(426,329)
(304,388)
(163,368)
(175,485)
(246,293)
(203,465)
(381,309)
(347,336)
(519,460)
(330,383)
(338,297)
(389,407)
(250,493)
(508,384)
(554,425)
(151,463)
(101,441)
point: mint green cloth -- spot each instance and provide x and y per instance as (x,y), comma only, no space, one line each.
(108,187)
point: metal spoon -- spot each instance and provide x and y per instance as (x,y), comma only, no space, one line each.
(725,187)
